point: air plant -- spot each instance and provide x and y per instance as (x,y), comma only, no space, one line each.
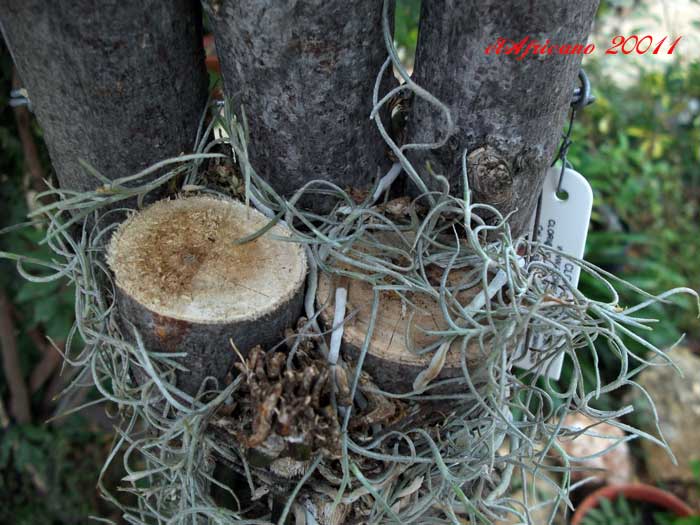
(455,465)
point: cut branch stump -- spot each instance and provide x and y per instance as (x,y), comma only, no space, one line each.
(186,286)
(399,330)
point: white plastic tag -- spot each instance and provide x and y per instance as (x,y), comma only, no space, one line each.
(563,225)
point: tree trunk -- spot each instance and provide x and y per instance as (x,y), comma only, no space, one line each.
(119,84)
(124,87)
(304,73)
(508,113)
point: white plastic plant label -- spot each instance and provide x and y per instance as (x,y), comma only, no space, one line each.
(563,225)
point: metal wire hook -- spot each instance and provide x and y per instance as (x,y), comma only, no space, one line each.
(582,97)
(564,149)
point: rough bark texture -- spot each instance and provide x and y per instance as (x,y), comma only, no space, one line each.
(508,113)
(304,73)
(208,346)
(120,84)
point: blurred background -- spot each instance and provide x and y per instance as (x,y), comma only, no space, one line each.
(638,145)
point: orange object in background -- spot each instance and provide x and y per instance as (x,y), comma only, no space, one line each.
(211,59)
(636,492)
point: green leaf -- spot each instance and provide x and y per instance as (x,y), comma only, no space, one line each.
(30,291)
(695,469)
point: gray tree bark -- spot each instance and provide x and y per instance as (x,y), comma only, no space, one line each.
(304,73)
(123,85)
(508,113)
(120,84)
(208,346)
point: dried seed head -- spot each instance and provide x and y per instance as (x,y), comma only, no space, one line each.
(291,404)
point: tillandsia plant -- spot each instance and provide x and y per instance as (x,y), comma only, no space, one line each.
(444,452)
(500,425)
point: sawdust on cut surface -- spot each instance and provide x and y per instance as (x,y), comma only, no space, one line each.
(178,258)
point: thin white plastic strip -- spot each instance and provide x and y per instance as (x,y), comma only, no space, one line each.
(386,181)
(384,184)
(563,225)
(341,299)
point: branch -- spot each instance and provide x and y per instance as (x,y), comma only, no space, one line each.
(507,112)
(123,112)
(19,396)
(306,93)
(4,418)
(33,166)
(50,360)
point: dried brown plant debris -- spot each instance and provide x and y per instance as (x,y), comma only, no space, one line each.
(293,408)
(226,178)
(288,412)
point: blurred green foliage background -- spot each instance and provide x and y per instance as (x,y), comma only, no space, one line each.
(638,145)
(48,471)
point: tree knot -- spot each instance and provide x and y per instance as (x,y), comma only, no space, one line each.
(490,175)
